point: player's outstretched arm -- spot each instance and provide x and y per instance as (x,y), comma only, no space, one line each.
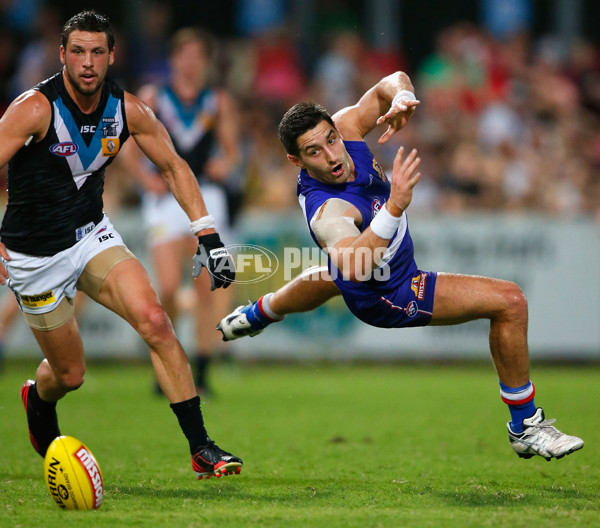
(391,101)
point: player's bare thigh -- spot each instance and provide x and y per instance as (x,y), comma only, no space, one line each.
(462,298)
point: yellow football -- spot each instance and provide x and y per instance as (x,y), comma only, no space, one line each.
(72,475)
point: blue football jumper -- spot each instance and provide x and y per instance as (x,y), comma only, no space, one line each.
(397,294)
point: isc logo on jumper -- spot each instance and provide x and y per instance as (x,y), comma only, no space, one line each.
(64,149)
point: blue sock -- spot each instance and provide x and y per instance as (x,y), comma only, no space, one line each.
(257,314)
(520,404)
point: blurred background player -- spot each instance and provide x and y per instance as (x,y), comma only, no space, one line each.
(201,122)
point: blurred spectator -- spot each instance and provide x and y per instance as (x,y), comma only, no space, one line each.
(40,58)
(270,176)
(336,79)
(278,72)
(507,122)
(150,30)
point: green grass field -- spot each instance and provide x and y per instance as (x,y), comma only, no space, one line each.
(323,445)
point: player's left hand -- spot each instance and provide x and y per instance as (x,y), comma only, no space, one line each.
(212,255)
(397,117)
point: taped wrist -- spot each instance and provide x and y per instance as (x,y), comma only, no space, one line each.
(385,224)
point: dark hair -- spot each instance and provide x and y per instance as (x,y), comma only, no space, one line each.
(298,120)
(91,21)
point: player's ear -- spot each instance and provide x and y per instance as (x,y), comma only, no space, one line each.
(296,161)
(62,54)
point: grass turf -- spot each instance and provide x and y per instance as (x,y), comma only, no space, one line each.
(323,445)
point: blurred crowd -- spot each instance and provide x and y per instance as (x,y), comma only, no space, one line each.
(506,124)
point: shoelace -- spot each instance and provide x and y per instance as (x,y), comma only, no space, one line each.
(550,432)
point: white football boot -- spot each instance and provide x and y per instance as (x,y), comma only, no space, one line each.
(541,438)
(240,323)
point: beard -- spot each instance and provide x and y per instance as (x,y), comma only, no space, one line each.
(81,88)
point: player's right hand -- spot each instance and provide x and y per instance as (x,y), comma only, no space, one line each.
(397,117)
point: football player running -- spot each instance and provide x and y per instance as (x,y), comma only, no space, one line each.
(58,139)
(359,219)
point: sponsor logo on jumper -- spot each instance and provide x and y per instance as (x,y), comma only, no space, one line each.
(35,301)
(87,129)
(93,473)
(375,207)
(64,149)
(110,146)
(418,286)
(412,309)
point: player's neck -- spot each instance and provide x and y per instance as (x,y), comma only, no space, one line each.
(187,90)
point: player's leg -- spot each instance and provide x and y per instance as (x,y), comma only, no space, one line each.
(207,313)
(166,260)
(307,291)
(9,311)
(62,371)
(126,289)
(462,298)
(210,306)
(166,255)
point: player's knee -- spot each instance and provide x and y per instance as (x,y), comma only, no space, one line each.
(155,326)
(515,301)
(70,379)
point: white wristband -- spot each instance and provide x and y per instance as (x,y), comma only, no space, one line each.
(385,224)
(402,94)
(206,222)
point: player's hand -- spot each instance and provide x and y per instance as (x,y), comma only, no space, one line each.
(218,169)
(4,256)
(404,178)
(397,117)
(212,255)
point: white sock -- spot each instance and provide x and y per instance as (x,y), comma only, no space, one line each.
(265,307)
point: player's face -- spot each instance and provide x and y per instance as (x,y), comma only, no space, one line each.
(323,155)
(86,58)
(190,60)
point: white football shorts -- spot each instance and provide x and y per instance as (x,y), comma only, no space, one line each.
(41,283)
(165,219)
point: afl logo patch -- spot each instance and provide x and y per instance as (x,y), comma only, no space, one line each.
(412,309)
(375,206)
(65,149)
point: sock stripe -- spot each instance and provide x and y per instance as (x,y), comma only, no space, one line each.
(518,396)
(264,311)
